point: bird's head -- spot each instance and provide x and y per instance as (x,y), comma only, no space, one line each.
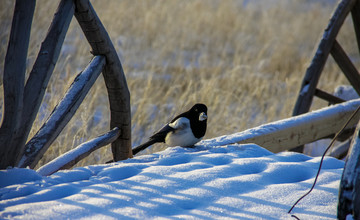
(200,110)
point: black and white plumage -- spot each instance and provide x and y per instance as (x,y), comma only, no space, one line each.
(184,130)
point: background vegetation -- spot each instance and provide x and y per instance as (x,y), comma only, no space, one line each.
(244,59)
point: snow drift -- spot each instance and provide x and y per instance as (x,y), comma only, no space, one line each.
(233,181)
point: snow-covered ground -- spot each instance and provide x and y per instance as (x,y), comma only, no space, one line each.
(205,182)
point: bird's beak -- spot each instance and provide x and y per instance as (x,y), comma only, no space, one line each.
(202,116)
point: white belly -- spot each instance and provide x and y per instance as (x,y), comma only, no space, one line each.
(182,136)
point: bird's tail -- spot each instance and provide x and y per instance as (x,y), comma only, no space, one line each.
(140,148)
(143,146)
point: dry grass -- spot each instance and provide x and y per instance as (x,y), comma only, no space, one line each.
(245,63)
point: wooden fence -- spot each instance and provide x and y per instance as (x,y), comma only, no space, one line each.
(329,45)
(22,101)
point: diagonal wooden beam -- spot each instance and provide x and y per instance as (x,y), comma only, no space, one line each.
(118,92)
(355,14)
(42,69)
(328,97)
(346,66)
(62,113)
(13,81)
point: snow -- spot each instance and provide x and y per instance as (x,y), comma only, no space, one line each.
(205,182)
(304,90)
(346,92)
(215,179)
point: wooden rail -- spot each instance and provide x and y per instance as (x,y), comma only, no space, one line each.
(70,158)
(298,130)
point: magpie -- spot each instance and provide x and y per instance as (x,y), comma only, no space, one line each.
(184,130)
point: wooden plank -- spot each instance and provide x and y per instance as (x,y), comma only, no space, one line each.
(328,97)
(42,70)
(349,193)
(72,157)
(118,92)
(346,66)
(313,72)
(288,133)
(62,113)
(13,80)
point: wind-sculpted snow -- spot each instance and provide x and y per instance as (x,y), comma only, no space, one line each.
(233,181)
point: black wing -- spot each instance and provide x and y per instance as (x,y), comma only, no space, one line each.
(161,134)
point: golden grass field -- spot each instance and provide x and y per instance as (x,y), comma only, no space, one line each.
(246,62)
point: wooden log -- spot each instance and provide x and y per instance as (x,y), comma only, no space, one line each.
(13,80)
(62,113)
(288,133)
(42,70)
(346,66)
(313,72)
(118,92)
(349,193)
(72,157)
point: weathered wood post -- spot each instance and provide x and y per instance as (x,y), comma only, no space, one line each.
(349,192)
(14,77)
(42,70)
(118,92)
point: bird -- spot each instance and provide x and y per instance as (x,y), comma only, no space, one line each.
(184,130)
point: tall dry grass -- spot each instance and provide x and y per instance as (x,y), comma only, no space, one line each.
(244,60)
